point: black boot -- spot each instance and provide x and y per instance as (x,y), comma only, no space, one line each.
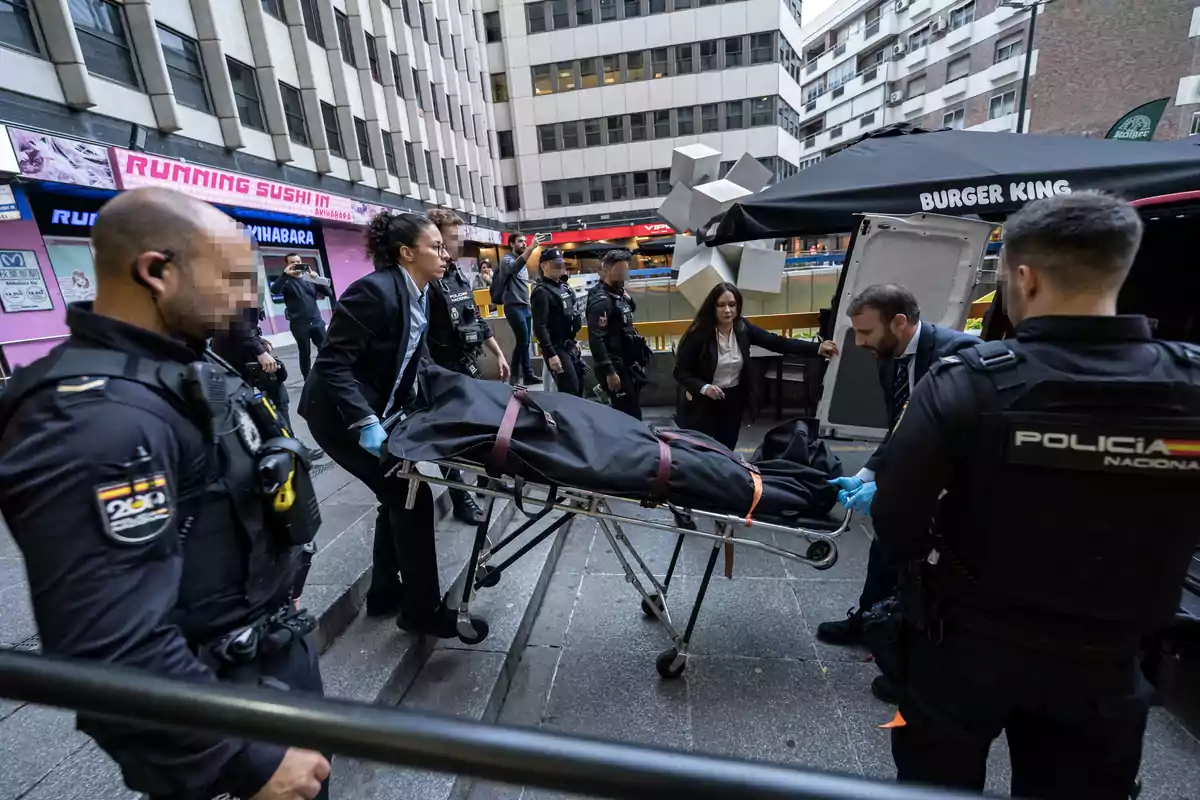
(465,508)
(482,482)
(441,624)
(843,632)
(883,689)
(386,602)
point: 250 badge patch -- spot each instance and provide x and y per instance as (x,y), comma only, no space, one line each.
(136,511)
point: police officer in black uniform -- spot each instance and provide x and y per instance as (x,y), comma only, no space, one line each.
(160,509)
(457,336)
(1069,464)
(556,320)
(620,355)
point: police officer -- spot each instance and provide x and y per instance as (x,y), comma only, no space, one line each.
(556,320)
(620,355)
(139,480)
(457,335)
(1066,456)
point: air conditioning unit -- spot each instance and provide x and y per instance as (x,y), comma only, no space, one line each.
(940,25)
(901,5)
(897,97)
(898,49)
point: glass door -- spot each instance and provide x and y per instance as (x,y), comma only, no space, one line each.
(274,260)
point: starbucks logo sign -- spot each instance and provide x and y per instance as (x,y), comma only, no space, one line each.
(1138,126)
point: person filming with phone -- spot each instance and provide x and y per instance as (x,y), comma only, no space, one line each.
(301,288)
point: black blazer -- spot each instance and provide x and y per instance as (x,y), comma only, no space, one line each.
(355,370)
(696,358)
(934,343)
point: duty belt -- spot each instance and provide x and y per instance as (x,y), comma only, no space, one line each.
(268,634)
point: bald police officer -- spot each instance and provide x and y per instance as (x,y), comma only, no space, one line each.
(1040,495)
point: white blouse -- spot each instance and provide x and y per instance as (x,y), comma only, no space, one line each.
(729,361)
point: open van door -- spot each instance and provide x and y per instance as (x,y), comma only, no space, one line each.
(939,259)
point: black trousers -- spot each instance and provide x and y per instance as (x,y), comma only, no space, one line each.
(277,393)
(404,546)
(880,583)
(307,333)
(627,399)
(570,380)
(720,419)
(1074,727)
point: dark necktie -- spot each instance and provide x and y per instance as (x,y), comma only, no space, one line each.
(900,388)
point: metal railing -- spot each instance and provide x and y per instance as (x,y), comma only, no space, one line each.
(568,763)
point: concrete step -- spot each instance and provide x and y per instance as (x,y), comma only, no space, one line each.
(467,681)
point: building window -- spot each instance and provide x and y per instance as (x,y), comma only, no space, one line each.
(918,39)
(407,21)
(364,143)
(641,184)
(499,87)
(429,171)
(618,189)
(389,155)
(658,6)
(566,76)
(734,118)
(543,79)
(1195,123)
(345,42)
(633,8)
(588,78)
(662,182)
(186,70)
(396,73)
(418,95)
(505,140)
(612,70)
(835,132)
(762,45)
(570,136)
(583,12)
(685,121)
(491,26)
(552,191)
(373,58)
(871,21)
(574,191)
(615,128)
(592,135)
(597,186)
(683,59)
(1002,105)
(963,15)
(312,22)
(333,131)
(866,119)
(608,10)
(635,66)
(512,198)
(293,114)
(916,87)
(17,30)
(246,95)
(1009,47)
(410,159)
(708,56)
(958,68)
(275,9)
(560,12)
(762,111)
(637,127)
(733,52)
(954,119)
(102,38)
(709,118)
(662,124)
(680,5)
(547,139)
(446,175)
(659,59)
(535,17)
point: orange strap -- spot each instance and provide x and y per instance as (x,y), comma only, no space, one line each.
(897,722)
(754,476)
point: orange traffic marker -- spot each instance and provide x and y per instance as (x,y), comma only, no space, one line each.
(897,722)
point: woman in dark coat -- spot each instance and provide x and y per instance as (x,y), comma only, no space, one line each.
(712,364)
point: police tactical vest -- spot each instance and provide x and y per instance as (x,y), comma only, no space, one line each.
(1073,525)
(241,546)
(564,320)
(458,354)
(620,335)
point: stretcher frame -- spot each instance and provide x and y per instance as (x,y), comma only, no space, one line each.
(569,503)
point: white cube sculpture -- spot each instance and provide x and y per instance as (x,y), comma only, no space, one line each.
(677,208)
(749,173)
(694,164)
(761,270)
(685,248)
(713,198)
(701,273)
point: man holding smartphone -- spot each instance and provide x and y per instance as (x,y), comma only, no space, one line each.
(301,287)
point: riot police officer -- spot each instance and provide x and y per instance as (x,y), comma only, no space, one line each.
(457,335)
(556,320)
(619,354)
(160,510)
(1040,494)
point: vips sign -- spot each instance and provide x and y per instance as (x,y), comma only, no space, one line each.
(984,195)
(231,188)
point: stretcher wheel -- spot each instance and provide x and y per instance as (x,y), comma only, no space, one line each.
(669,664)
(481,632)
(489,577)
(819,550)
(658,603)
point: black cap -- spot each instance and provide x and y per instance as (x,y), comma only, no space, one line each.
(553,254)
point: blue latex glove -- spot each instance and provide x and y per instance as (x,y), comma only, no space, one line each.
(371,438)
(846,488)
(860,501)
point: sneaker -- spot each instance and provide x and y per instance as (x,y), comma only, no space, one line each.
(465,508)
(843,632)
(885,690)
(441,624)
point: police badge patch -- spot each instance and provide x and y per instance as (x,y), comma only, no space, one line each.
(603,320)
(135,511)
(248,432)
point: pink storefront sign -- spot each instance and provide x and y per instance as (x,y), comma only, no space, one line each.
(134,170)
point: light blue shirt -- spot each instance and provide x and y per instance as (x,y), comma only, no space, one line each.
(418,322)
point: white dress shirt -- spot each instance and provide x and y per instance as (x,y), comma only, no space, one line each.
(910,352)
(728,373)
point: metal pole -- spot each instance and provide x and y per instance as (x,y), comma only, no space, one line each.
(576,764)
(1033,14)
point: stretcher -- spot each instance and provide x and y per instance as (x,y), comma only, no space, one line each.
(560,505)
